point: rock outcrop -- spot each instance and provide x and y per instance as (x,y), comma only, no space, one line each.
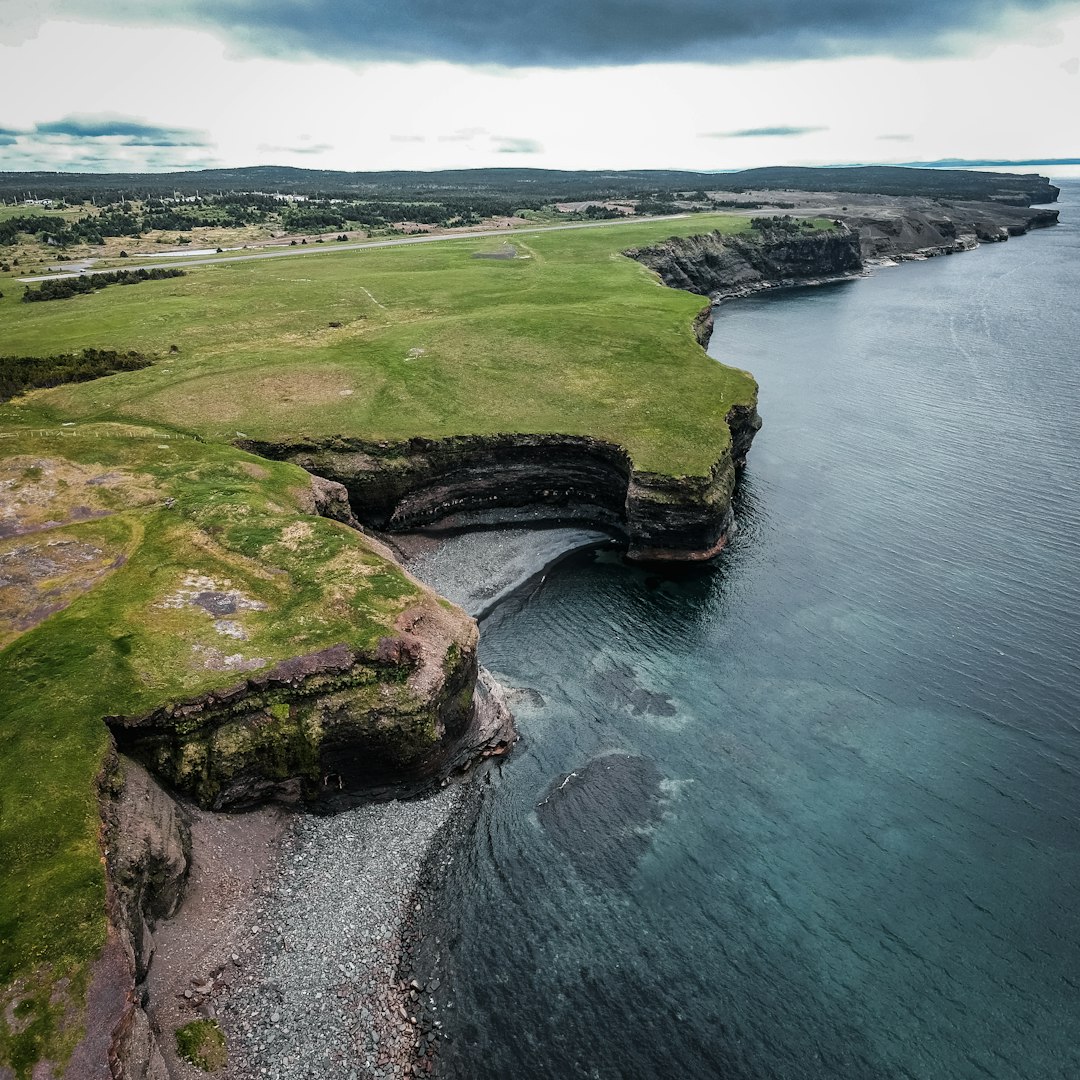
(723,265)
(944,229)
(336,720)
(478,480)
(147,847)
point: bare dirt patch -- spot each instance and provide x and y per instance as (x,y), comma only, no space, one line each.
(45,492)
(223,400)
(294,536)
(42,576)
(202,950)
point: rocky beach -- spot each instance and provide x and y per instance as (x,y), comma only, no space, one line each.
(297,929)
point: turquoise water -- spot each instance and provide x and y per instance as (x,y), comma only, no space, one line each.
(812,812)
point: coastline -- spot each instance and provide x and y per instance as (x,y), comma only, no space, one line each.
(267,890)
(330,954)
(292,937)
(321,994)
(299,932)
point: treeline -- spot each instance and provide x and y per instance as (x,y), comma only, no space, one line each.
(21,373)
(124,220)
(780,224)
(321,215)
(751,204)
(545,185)
(63,288)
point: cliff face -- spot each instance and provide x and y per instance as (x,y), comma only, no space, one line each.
(723,265)
(476,480)
(944,230)
(330,721)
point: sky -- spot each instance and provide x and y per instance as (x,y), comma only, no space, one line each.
(155,85)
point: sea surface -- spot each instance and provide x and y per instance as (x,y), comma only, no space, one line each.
(812,812)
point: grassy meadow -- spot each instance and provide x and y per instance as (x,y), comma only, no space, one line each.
(569,337)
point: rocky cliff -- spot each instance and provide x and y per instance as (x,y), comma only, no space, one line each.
(332,721)
(723,265)
(943,229)
(478,480)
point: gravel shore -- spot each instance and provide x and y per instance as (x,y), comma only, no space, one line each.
(318,994)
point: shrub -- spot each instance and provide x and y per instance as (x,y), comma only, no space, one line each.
(202,1043)
(21,373)
(63,288)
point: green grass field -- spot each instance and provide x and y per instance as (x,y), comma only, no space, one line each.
(571,337)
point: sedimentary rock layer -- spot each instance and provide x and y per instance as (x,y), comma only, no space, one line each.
(474,480)
(943,229)
(328,722)
(722,265)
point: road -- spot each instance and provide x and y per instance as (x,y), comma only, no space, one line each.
(313,249)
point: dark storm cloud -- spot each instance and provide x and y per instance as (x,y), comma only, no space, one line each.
(127,132)
(779,132)
(569,33)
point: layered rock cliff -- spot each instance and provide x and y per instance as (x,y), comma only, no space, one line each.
(332,721)
(723,265)
(477,480)
(943,229)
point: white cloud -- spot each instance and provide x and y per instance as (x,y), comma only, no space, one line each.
(1016,100)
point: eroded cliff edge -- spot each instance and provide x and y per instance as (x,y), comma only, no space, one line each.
(468,481)
(243,642)
(781,252)
(471,480)
(722,265)
(476,480)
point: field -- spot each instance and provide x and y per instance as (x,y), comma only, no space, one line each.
(567,337)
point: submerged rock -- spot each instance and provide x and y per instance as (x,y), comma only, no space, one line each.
(602,816)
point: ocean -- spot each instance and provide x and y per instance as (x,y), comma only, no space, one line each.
(812,811)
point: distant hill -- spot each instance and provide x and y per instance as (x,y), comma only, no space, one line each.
(1018,189)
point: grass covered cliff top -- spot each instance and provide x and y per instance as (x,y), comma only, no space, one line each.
(564,335)
(138,569)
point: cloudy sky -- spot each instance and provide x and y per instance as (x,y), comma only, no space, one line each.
(422,84)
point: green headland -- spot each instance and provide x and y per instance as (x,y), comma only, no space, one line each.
(564,336)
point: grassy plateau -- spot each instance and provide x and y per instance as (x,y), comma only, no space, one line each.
(568,337)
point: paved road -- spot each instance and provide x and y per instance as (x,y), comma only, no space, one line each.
(312,249)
